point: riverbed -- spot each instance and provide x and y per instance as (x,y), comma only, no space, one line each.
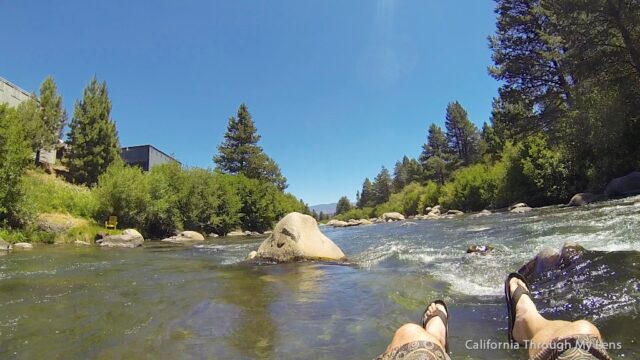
(165,301)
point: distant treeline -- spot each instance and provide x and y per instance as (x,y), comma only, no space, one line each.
(567,118)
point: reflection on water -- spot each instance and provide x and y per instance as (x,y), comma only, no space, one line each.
(170,301)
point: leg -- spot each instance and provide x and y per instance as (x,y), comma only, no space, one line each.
(532,326)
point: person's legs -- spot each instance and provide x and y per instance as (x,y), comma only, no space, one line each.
(435,331)
(532,326)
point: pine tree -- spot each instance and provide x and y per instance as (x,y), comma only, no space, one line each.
(54,115)
(462,135)
(343,205)
(436,155)
(366,195)
(93,139)
(240,153)
(382,187)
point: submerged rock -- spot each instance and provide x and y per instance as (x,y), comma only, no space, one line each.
(23,246)
(484,212)
(185,236)
(582,199)
(393,216)
(409,223)
(130,238)
(5,246)
(624,186)
(297,236)
(236,233)
(455,212)
(81,243)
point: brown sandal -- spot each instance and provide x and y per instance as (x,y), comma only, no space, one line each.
(512,300)
(445,320)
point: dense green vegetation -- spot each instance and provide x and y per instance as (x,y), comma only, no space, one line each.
(567,118)
(245,191)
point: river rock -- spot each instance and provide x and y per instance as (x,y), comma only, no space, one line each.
(23,246)
(521,210)
(252,255)
(582,199)
(518,205)
(484,212)
(338,223)
(57,223)
(130,238)
(268,232)
(549,259)
(252,233)
(81,243)
(365,222)
(185,236)
(393,216)
(455,212)
(624,186)
(432,216)
(5,246)
(297,236)
(236,233)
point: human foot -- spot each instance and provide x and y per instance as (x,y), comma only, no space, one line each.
(520,306)
(435,321)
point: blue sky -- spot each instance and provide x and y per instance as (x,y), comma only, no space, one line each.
(336,88)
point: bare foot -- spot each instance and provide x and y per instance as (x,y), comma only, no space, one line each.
(524,310)
(435,326)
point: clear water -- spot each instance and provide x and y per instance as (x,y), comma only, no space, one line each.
(170,301)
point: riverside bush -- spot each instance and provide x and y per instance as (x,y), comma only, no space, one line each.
(171,198)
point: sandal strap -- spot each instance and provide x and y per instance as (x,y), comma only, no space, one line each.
(438,313)
(515,297)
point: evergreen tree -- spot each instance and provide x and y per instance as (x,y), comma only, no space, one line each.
(14,157)
(43,118)
(490,144)
(241,154)
(343,205)
(53,113)
(405,172)
(382,187)
(436,155)
(462,135)
(93,139)
(366,195)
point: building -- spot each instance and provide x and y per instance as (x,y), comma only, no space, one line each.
(146,157)
(12,94)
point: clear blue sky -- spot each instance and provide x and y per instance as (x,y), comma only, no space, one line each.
(337,88)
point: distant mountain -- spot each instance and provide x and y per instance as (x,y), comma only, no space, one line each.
(325,208)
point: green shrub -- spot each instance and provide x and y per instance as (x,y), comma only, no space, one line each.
(357,213)
(123,191)
(14,157)
(473,188)
(429,196)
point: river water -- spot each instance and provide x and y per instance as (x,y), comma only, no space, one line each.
(203,302)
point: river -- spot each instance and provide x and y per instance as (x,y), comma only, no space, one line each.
(166,301)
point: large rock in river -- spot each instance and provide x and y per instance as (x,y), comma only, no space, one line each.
(624,186)
(129,238)
(551,259)
(185,236)
(582,199)
(393,216)
(297,236)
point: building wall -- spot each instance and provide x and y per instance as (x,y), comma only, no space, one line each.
(11,94)
(156,158)
(145,156)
